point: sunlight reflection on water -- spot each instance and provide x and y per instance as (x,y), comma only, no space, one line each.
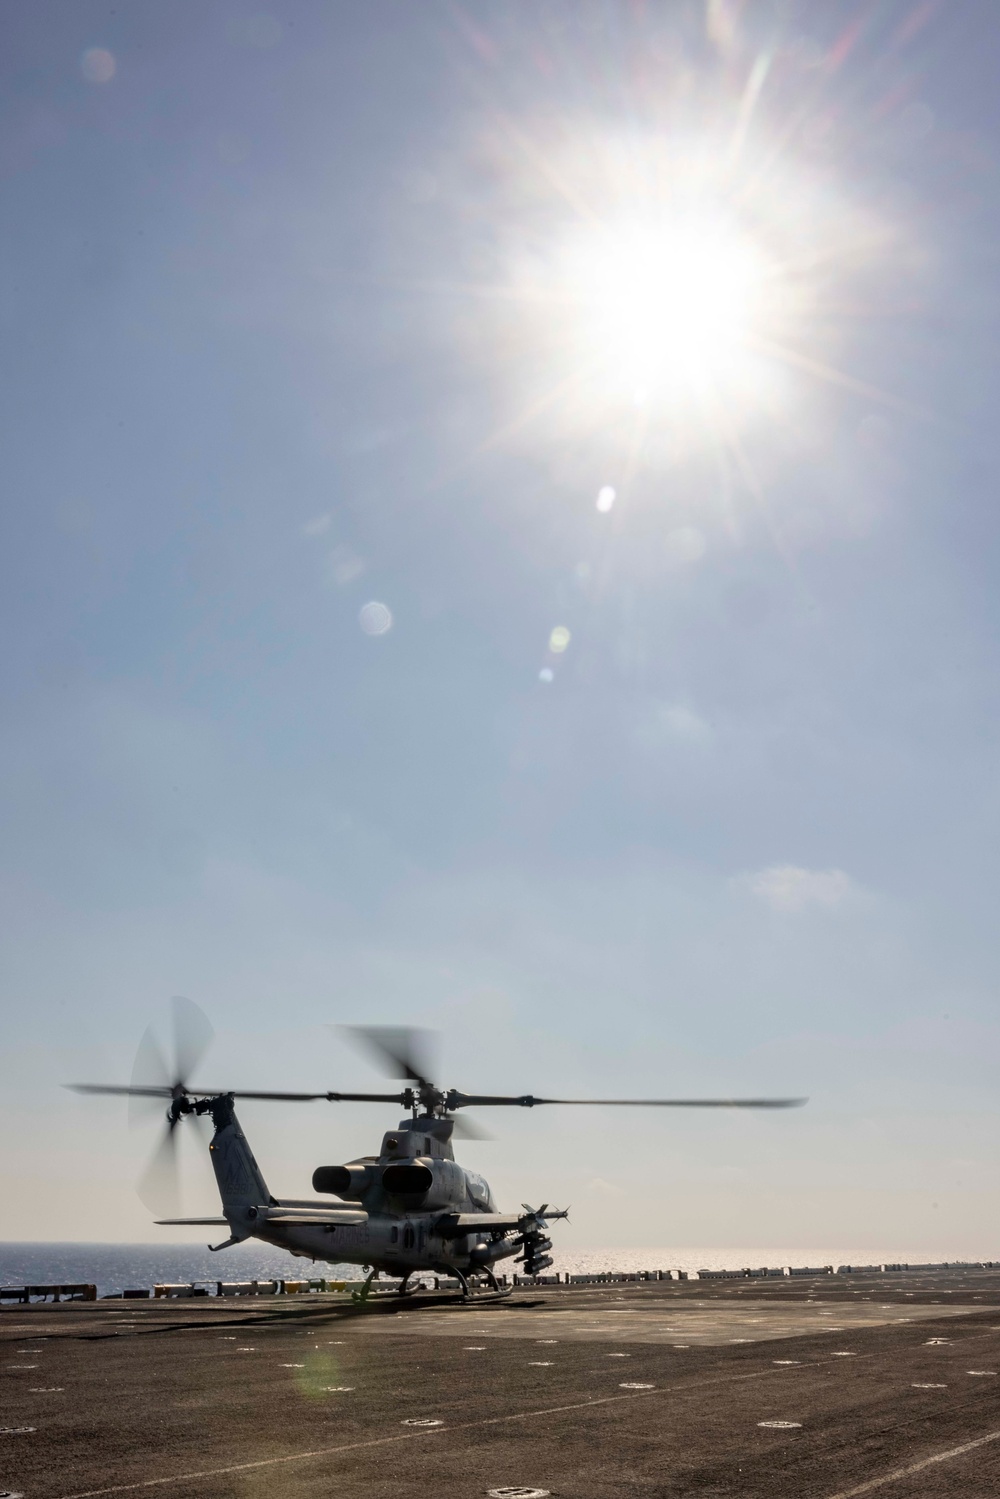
(115,1267)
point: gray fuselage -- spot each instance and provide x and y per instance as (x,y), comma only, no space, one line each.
(396,1206)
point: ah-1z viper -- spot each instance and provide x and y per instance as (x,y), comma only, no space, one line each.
(410,1209)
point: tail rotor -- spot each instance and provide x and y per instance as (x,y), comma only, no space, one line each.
(153,1078)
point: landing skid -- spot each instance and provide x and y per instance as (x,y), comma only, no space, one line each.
(360,1297)
(496,1291)
(493,1291)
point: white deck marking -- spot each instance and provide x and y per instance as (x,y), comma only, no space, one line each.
(416,1435)
(927,1462)
(701,1325)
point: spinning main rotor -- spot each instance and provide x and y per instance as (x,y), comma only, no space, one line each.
(402,1052)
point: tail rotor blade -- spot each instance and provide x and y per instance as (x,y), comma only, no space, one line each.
(192,1036)
(402,1051)
(158,1187)
(149,1070)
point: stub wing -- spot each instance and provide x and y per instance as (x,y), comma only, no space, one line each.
(314,1217)
(283,1217)
(530,1221)
(193,1222)
(454,1225)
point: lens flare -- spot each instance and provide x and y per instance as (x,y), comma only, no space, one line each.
(375,618)
(98,65)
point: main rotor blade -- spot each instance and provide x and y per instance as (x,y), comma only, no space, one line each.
(401,1050)
(156,1092)
(528,1101)
(193,1034)
(257,1093)
(405,1099)
(468,1129)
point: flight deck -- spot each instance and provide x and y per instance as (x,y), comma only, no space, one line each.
(826,1388)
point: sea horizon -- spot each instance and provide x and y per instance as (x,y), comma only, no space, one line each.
(115,1267)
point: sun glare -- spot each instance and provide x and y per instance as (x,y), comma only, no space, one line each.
(675,290)
(667,310)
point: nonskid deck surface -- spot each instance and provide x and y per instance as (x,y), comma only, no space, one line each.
(706,1324)
(887,1385)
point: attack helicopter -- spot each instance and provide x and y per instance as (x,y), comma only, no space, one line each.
(411,1209)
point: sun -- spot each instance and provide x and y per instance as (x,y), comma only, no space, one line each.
(674,292)
(669,309)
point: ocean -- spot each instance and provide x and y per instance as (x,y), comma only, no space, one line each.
(119,1267)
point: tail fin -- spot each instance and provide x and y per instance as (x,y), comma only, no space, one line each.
(241,1185)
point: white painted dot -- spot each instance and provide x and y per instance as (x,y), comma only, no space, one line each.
(517,1493)
(928,1387)
(293,1366)
(421,1421)
(338,1389)
(780,1425)
(982,1373)
(635,1385)
(537,1363)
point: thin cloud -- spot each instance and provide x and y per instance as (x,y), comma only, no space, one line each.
(789,887)
(344,565)
(665,724)
(317,526)
(681,722)
(605,1188)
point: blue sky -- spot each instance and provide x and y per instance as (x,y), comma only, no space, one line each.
(320,307)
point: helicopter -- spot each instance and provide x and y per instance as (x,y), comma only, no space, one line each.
(409,1210)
